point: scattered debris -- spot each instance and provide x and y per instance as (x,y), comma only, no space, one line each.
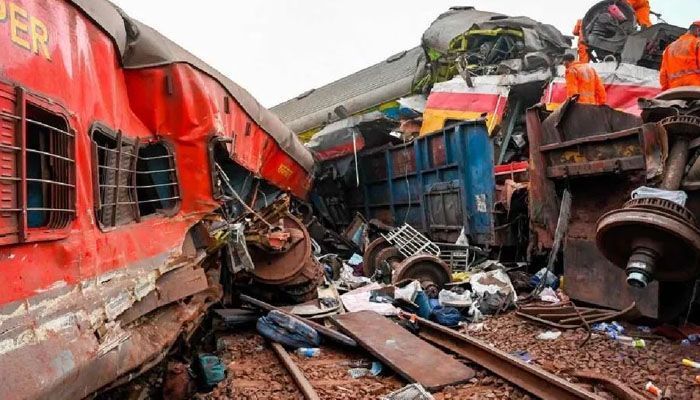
(530,378)
(326,332)
(399,349)
(287,330)
(568,316)
(304,386)
(614,386)
(209,370)
(410,392)
(441,192)
(549,335)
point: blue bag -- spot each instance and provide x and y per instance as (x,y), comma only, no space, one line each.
(446,316)
(287,330)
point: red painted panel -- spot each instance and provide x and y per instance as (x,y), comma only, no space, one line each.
(473,102)
(83,75)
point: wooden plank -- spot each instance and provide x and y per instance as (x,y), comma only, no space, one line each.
(413,358)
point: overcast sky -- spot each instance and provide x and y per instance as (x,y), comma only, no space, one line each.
(278,49)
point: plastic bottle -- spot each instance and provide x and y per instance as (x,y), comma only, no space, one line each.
(307,352)
(631,342)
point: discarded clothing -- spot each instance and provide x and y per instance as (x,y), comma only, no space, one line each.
(359,300)
(493,291)
(287,330)
(411,392)
(449,298)
(446,316)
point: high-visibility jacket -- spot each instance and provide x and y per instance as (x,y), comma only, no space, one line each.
(582,47)
(583,80)
(681,63)
(642,11)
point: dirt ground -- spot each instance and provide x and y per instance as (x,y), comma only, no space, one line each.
(256,373)
(658,362)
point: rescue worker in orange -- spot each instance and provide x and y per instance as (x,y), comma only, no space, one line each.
(583,80)
(582,48)
(642,10)
(681,63)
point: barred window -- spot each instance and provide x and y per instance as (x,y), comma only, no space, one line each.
(133,179)
(37,168)
(116,162)
(156,182)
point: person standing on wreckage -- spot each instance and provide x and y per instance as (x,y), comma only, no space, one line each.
(583,80)
(642,12)
(681,62)
(582,47)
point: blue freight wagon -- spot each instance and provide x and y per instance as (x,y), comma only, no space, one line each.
(440,184)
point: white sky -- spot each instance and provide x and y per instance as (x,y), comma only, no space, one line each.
(278,49)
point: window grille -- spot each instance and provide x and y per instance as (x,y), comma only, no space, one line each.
(37,168)
(133,179)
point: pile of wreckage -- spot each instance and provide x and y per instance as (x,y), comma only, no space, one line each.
(456,183)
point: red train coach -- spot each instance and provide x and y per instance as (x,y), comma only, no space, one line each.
(108,137)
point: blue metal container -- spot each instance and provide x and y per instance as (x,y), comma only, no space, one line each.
(438,183)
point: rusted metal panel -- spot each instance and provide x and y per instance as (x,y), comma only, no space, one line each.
(590,277)
(614,386)
(537,381)
(544,206)
(57,360)
(170,287)
(411,357)
(573,121)
(597,167)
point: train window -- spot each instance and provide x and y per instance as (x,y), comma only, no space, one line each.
(50,169)
(116,162)
(229,179)
(133,179)
(156,181)
(37,169)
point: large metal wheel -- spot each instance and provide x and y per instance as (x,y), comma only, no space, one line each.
(281,268)
(373,249)
(669,228)
(430,271)
(390,255)
(386,262)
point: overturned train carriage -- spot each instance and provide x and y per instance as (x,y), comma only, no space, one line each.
(108,136)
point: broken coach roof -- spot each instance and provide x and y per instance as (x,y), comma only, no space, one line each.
(388,80)
(141,46)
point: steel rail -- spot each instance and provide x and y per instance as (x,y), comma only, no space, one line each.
(297,375)
(534,380)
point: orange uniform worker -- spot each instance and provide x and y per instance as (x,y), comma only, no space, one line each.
(681,62)
(583,80)
(642,10)
(582,48)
